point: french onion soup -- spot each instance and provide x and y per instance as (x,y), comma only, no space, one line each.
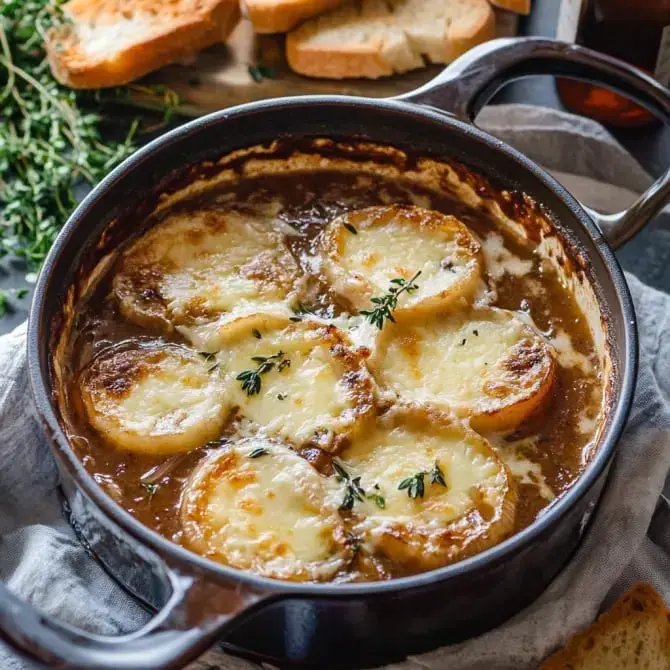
(335,362)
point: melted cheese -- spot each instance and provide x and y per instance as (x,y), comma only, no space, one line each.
(157,399)
(202,266)
(501,261)
(397,242)
(258,506)
(567,355)
(474,508)
(317,390)
(486,364)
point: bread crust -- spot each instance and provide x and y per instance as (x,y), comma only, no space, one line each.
(516,6)
(187,35)
(637,612)
(366,58)
(279,16)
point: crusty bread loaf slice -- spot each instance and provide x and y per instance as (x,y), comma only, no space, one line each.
(633,634)
(279,16)
(517,6)
(112,42)
(375,38)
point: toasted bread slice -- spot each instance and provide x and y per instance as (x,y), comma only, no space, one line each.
(298,380)
(366,253)
(279,16)
(204,267)
(516,6)
(486,364)
(376,38)
(435,491)
(112,42)
(257,505)
(633,633)
(154,399)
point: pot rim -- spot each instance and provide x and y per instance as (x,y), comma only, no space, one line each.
(178,555)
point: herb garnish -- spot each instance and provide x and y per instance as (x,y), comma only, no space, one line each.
(216,443)
(208,357)
(353,491)
(251,379)
(379,500)
(281,396)
(258,452)
(386,303)
(257,333)
(351,228)
(151,489)
(414,485)
(51,137)
(475,332)
(463,341)
(437,476)
(300,311)
(260,72)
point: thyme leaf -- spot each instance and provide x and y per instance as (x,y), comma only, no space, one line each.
(260,72)
(251,379)
(437,476)
(384,305)
(414,485)
(258,452)
(353,491)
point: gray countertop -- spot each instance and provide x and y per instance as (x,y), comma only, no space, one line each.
(646,255)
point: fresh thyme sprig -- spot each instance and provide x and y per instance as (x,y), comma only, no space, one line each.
(353,490)
(251,379)
(51,137)
(386,303)
(414,485)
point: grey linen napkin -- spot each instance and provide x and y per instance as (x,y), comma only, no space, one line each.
(42,561)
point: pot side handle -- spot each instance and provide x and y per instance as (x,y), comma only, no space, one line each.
(194,617)
(464,87)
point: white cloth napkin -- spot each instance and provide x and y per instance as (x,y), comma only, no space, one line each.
(43,562)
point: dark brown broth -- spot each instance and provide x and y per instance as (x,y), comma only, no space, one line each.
(309,202)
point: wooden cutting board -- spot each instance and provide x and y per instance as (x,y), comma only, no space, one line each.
(222,76)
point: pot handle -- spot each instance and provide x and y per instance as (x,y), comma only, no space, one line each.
(193,618)
(464,87)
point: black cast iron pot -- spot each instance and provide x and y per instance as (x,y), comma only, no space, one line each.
(199,602)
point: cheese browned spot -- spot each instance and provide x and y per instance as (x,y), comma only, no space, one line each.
(432,525)
(315,390)
(154,399)
(397,241)
(486,364)
(198,267)
(256,505)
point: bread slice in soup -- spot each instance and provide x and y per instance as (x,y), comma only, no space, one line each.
(196,267)
(486,364)
(154,398)
(257,505)
(366,251)
(434,490)
(299,380)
